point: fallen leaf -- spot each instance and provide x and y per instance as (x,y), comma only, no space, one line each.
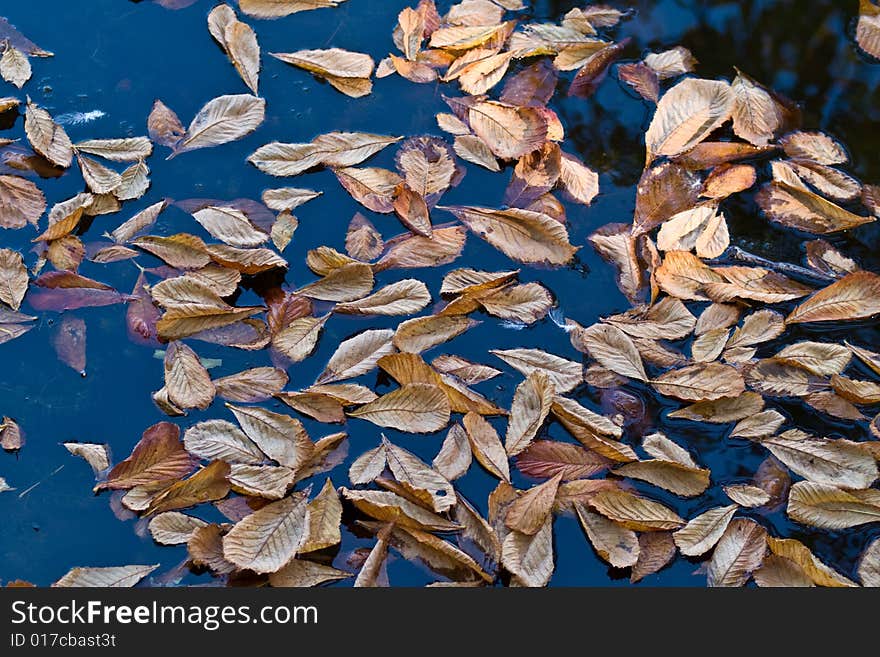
(108,577)
(855,296)
(686,114)
(417,407)
(270,537)
(617,545)
(69,341)
(348,72)
(221,120)
(702,532)
(738,553)
(486,446)
(158,456)
(635,513)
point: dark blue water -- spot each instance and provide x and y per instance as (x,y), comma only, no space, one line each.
(118,57)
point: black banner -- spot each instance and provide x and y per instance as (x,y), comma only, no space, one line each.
(36,621)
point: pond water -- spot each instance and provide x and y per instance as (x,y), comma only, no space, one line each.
(118,57)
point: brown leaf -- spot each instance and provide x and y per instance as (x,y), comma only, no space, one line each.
(357,355)
(390,507)
(221,120)
(254,385)
(701,382)
(642,78)
(415,408)
(532,508)
(508,131)
(855,296)
(544,459)
(270,537)
(420,481)
(187,382)
(363,241)
(47,137)
(348,72)
(815,146)
(69,341)
(239,41)
(703,531)
(656,550)
(21,202)
(663,191)
(164,126)
(454,458)
(281,8)
(208,484)
(372,187)
(679,479)
(614,350)
(739,552)
(636,513)
(615,544)
(325,514)
(563,374)
(158,456)
(829,507)
(281,437)
(756,115)
(13,278)
(486,446)
(800,208)
(616,245)
(686,114)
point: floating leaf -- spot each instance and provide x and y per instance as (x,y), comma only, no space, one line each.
(633,512)
(47,137)
(825,461)
(702,532)
(280,8)
(486,446)
(738,553)
(109,577)
(615,544)
(221,120)
(159,456)
(349,72)
(13,278)
(164,126)
(686,114)
(270,537)
(416,407)
(829,507)
(855,296)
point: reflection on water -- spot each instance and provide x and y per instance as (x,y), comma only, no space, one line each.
(112,59)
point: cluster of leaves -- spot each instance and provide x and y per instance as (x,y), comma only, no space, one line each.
(693,336)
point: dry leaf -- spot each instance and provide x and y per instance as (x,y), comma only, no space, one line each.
(159,456)
(347,71)
(615,544)
(855,296)
(416,408)
(109,577)
(686,114)
(739,552)
(281,437)
(281,8)
(47,137)
(702,532)
(829,507)
(270,537)
(221,120)
(834,462)
(633,512)
(486,446)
